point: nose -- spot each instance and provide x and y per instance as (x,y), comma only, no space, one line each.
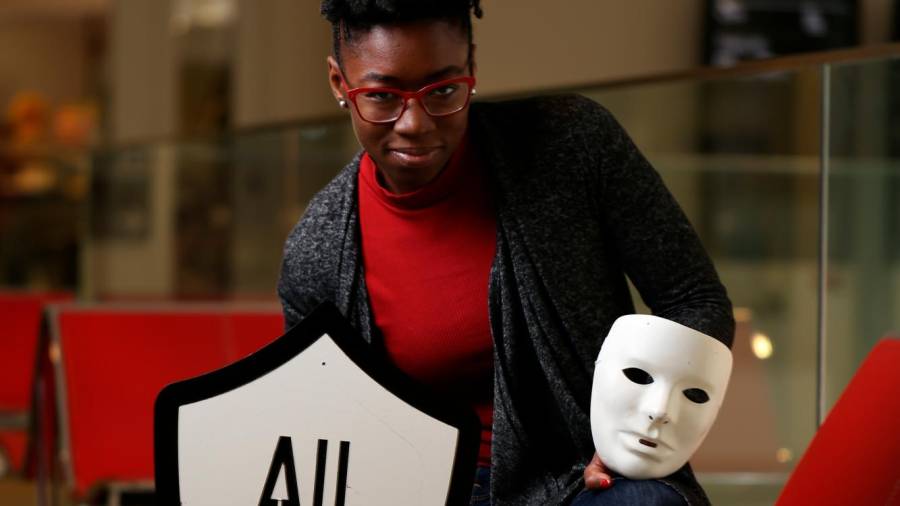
(658,407)
(414,120)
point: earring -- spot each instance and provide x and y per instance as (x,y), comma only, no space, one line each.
(473,92)
(342,103)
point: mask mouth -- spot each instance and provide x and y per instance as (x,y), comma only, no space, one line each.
(644,442)
(639,441)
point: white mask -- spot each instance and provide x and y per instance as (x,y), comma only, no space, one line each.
(658,386)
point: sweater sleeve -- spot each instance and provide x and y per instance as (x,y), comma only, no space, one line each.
(302,282)
(657,245)
(315,255)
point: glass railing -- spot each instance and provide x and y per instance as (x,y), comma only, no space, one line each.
(741,156)
(862,216)
(204,219)
(788,170)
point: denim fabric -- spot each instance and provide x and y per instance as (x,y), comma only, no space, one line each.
(481,491)
(631,492)
(624,492)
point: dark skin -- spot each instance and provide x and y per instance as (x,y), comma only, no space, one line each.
(413,150)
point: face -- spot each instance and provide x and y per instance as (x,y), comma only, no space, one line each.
(658,386)
(411,151)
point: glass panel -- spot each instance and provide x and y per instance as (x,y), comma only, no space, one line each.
(204,219)
(42,193)
(741,156)
(863,291)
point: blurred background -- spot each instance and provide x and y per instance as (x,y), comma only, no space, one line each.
(159,151)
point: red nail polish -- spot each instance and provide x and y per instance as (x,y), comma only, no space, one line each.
(605,484)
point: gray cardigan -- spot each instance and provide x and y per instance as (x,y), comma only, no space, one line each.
(578,207)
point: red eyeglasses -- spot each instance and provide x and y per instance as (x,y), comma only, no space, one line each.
(386,105)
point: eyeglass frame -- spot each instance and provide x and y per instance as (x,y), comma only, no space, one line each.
(409,95)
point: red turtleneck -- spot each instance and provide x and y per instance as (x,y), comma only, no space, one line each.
(427,257)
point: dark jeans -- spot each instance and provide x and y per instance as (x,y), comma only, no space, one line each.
(623,492)
(481,491)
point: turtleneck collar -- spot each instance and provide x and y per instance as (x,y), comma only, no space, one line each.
(445,184)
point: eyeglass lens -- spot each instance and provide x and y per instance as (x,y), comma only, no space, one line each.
(382,106)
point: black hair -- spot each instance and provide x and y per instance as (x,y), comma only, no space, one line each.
(347,16)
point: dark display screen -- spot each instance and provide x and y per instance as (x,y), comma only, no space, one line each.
(738,30)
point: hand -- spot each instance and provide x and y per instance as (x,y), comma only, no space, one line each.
(596,475)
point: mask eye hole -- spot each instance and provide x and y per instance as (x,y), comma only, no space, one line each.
(639,376)
(696,395)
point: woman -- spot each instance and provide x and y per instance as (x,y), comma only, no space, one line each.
(484,247)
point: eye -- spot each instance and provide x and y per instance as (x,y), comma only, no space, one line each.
(696,395)
(444,91)
(380,96)
(639,376)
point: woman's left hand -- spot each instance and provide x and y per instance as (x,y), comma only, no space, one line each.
(596,475)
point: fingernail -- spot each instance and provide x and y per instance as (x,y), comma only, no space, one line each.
(604,483)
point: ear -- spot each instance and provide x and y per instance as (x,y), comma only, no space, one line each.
(335,79)
(473,66)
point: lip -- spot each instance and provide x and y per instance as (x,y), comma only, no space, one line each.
(645,443)
(415,150)
(415,156)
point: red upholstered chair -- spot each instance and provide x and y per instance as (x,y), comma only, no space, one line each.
(854,457)
(109,364)
(20,318)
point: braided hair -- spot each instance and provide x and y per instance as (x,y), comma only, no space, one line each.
(349,16)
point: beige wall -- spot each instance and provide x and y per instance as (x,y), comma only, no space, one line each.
(143,61)
(279,66)
(46,55)
(528,44)
(522,45)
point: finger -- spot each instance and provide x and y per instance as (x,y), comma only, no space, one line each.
(596,475)
(597,481)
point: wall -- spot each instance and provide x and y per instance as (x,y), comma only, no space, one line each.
(41,54)
(279,67)
(142,61)
(529,44)
(522,45)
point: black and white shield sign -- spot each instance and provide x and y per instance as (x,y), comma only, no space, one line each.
(315,418)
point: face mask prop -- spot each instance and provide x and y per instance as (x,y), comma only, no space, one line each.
(658,386)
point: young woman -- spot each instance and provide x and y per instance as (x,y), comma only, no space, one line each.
(484,247)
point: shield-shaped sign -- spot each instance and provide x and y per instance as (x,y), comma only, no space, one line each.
(315,418)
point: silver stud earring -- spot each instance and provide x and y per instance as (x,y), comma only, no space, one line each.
(342,103)
(473,92)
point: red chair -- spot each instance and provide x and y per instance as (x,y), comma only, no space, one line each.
(109,364)
(854,457)
(20,314)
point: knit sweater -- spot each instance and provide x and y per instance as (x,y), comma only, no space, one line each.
(578,208)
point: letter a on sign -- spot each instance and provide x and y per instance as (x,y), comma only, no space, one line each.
(282,460)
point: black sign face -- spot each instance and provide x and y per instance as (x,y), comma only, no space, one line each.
(311,419)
